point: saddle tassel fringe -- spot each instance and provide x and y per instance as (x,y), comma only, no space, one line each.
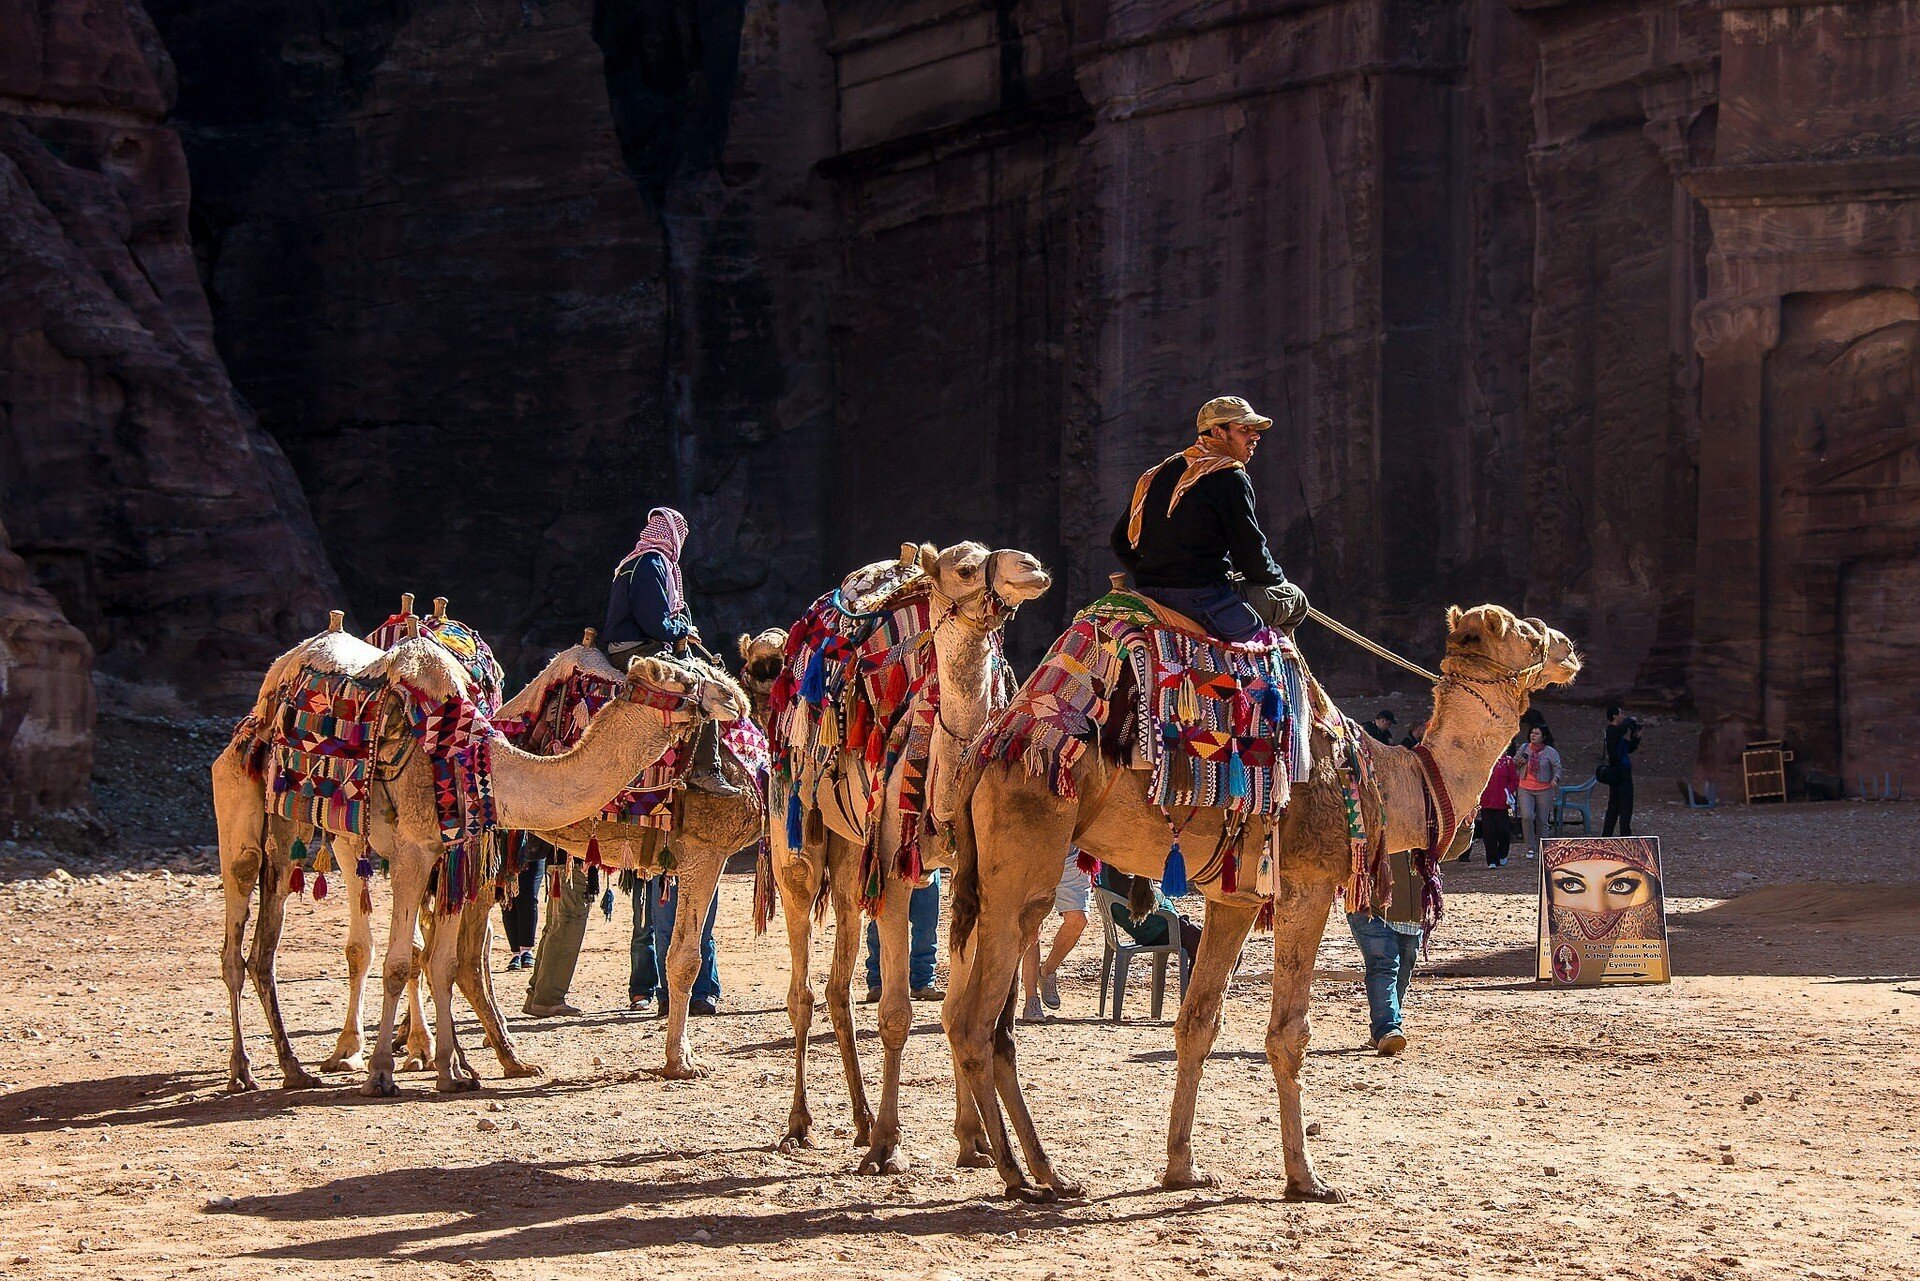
(796,840)
(593,851)
(297,879)
(606,903)
(1230,871)
(1236,774)
(813,684)
(319,887)
(1087,863)
(1173,880)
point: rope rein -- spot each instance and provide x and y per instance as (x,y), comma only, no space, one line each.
(1341,630)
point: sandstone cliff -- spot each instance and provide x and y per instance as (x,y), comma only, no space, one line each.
(46,699)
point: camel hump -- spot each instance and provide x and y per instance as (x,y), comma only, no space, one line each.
(872,587)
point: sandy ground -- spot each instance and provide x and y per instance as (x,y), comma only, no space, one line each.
(1754,1119)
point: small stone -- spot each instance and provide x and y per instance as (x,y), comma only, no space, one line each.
(701,1235)
(220,1203)
(1313,1128)
(1726,1158)
(486,1126)
(1552,1172)
(1752,1098)
(598,1061)
(494,1105)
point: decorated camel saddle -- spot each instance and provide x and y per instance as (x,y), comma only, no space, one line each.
(551,715)
(1215,724)
(337,715)
(853,710)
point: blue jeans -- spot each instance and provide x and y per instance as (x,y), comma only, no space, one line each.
(653,934)
(1223,611)
(1390,956)
(923,938)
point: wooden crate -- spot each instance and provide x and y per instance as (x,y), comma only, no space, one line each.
(1765,766)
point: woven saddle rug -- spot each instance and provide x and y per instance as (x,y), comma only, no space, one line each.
(1218,725)
(560,718)
(327,737)
(466,645)
(867,683)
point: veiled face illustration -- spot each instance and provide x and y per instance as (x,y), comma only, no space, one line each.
(1604,889)
(1600,885)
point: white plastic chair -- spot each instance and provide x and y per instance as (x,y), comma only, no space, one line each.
(1121,949)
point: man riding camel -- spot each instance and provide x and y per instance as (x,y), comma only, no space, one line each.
(1190,531)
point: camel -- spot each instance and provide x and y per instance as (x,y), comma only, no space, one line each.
(760,661)
(707,830)
(1012,832)
(529,791)
(974,593)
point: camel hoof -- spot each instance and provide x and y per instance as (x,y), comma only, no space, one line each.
(515,1070)
(1191,1177)
(1318,1192)
(794,1141)
(356,1062)
(975,1158)
(457,1084)
(242,1083)
(885,1160)
(1031,1194)
(686,1070)
(1068,1189)
(416,1063)
(380,1087)
(300,1079)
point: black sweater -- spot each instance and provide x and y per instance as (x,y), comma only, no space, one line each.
(637,608)
(1213,530)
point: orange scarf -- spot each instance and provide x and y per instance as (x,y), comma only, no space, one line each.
(1202,458)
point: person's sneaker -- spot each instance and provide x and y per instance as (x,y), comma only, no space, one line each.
(700,1005)
(562,1010)
(929,993)
(1049,989)
(513,960)
(1033,1013)
(639,1004)
(1529,853)
(526,958)
(1499,862)
(1391,1044)
(872,997)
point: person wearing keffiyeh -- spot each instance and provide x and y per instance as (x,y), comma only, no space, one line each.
(1189,531)
(647,615)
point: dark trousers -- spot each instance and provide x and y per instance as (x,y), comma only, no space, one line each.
(656,901)
(1497,833)
(521,918)
(1620,808)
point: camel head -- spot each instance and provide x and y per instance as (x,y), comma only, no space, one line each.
(696,690)
(986,587)
(1490,642)
(761,658)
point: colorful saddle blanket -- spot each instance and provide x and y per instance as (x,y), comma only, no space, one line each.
(466,645)
(866,683)
(562,717)
(1219,725)
(316,751)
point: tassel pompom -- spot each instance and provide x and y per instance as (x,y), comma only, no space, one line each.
(667,861)
(606,903)
(1086,863)
(796,840)
(319,887)
(297,879)
(816,826)
(1173,880)
(1270,706)
(813,684)
(553,881)
(593,883)
(299,851)
(827,737)
(593,851)
(1230,872)
(363,867)
(1236,774)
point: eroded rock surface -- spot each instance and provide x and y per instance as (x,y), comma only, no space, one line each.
(46,698)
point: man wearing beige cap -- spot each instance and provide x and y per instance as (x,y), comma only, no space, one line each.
(1190,529)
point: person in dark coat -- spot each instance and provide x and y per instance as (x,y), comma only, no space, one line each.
(1190,529)
(1623,738)
(647,615)
(1381,726)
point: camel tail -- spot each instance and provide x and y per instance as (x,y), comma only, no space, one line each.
(966,868)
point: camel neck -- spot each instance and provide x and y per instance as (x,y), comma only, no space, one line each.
(540,793)
(1466,737)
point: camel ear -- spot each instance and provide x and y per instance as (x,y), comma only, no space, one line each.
(1499,623)
(746,642)
(929,557)
(1453,617)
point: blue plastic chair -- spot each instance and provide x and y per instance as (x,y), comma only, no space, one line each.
(1121,949)
(1575,800)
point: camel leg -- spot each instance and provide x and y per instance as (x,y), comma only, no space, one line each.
(1006,1074)
(349,1052)
(1299,918)
(409,864)
(896,1021)
(274,883)
(442,950)
(1194,1032)
(699,883)
(975,1153)
(239,873)
(849,935)
(413,1030)
(473,973)
(799,883)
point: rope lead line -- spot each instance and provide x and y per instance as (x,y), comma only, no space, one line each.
(1379,651)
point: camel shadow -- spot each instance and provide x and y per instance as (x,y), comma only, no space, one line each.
(187,1099)
(536,1210)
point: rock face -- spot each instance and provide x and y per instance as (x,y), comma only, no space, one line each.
(136,486)
(46,699)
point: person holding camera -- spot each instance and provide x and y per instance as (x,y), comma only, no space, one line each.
(1616,769)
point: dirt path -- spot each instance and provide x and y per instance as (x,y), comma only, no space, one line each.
(1755,1119)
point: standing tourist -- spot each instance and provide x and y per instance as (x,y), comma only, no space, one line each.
(923,945)
(1072,897)
(1539,779)
(1616,769)
(1496,801)
(1390,944)
(520,916)
(1381,726)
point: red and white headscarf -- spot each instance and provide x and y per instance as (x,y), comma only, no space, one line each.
(665,532)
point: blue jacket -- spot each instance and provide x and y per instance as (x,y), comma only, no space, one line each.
(637,606)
